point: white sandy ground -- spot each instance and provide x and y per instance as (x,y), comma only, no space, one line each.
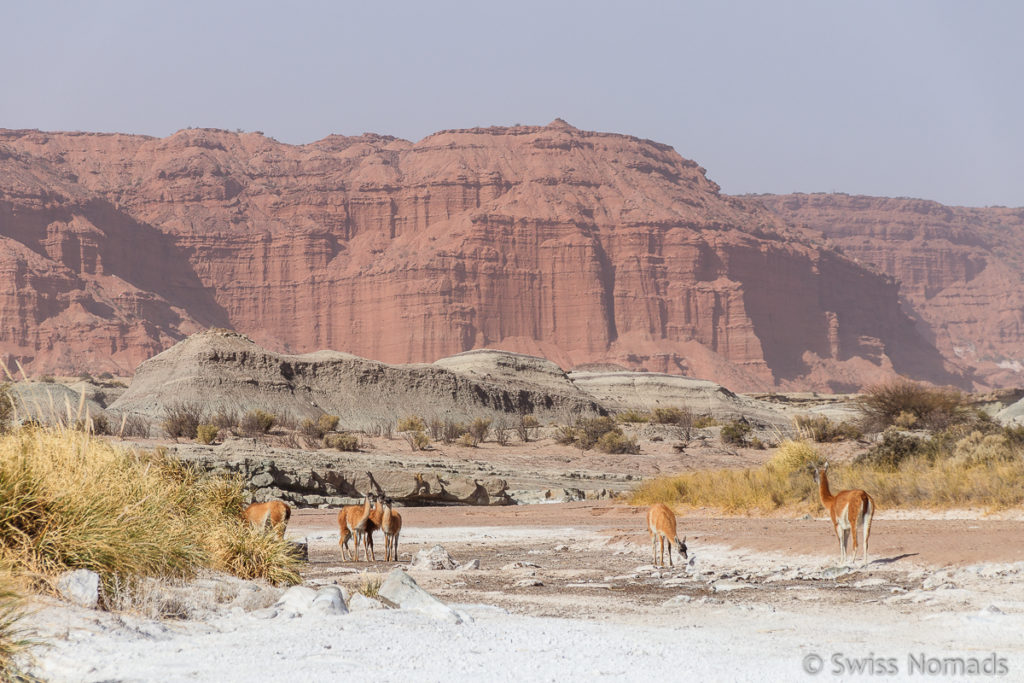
(970,612)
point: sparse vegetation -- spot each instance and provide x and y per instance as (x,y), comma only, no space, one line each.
(181,420)
(616,442)
(908,404)
(501,430)
(704,421)
(257,422)
(417,441)
(633,417)
(6,407)
(226,419)
(467,440)
(823,430)
(894,448)
(411,423)
(526,427)
(14,642)
(736,433)
(369,585)
(479,428)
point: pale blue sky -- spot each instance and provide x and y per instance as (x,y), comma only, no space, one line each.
(915,98)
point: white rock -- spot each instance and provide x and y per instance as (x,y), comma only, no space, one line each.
(528,583)
(82,587)
(400,589)
(361,603)
(435,558)
(329,600)
(520,565)
(677,600)
(296,601)
(472,564)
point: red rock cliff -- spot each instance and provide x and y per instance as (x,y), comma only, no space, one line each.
(578,246)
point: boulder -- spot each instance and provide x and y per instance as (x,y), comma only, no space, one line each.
(81,587)
(436,558)
(400,590)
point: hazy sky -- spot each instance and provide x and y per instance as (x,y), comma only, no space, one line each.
(895,98)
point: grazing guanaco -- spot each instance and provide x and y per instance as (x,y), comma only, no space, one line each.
(273,514)
(661,523)
(350,518)
(849,510)
(391,525)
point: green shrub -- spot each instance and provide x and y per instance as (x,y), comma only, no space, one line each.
(673,416)
(704,421)
(342,441)
(617,442)
(735,433)
(311,429)
(590,430)
(417,440)
(206,433)
(565,435)
(468,440)
(633,417)
(894,448)
(257,422)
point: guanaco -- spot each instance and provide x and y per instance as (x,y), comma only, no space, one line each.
(849,510)
(391,525)
(661,523)
(273,514)
(350,518)
(367,526)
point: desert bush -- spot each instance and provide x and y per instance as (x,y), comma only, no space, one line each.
(526,427)
(48,379)
(411,423)
(342,441)
(133,425)
(982,449)
(206,433)
(823,430)
(479,427)
(417,440)
(106,376)
(451,430)
(672,416)
(704,421)
(369,585)
(590,429)
(226,419)
(735,433)
(565,435)
(97,424)
(616,442)
(468,440)
(311,430)
(70,501)
(796,456)
(435,427)
(257,422)
(501,430)
(894,448)
(238,548)
(909,402)
(633,417)
(182,419)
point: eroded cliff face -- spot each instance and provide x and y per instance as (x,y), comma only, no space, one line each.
(960,270)
(580,247)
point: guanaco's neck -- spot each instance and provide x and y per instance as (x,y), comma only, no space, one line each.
(826,495)
(366,511)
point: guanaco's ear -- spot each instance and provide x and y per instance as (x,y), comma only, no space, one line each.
(825,466)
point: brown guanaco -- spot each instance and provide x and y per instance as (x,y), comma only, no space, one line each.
(350,518)
(272,514)
(849,511)
(391,525)
(661,523)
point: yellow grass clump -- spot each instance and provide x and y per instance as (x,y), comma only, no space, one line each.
(69,500)
(786,482)
(14,642)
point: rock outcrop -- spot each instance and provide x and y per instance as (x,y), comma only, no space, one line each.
(576,246)
(960,270)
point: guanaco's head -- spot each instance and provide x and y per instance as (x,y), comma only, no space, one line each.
(388,503)
(818,471)
(681,547)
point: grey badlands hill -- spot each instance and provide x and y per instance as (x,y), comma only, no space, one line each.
(223,369)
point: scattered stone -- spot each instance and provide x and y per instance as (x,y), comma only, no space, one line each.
(81,587)
(528,583)
(723,586)
(467,566)
(329,600)
(869,583)
(560,548)
(436,558)
(520,565)
(400,590)
(361,603)
(677,600)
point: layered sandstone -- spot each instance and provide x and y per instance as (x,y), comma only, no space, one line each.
(576,246)
(960,270)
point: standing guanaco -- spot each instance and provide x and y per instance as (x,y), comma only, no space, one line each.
(391,525)
(273,514)
(661,523)
(350,518)
(368,525)
(848,509)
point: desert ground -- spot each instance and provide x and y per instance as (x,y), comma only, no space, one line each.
(567,591)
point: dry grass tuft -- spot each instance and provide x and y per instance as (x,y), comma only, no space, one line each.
(15,644)
(71,501)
